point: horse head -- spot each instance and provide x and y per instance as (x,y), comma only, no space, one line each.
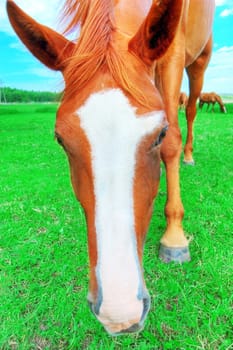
(110,122)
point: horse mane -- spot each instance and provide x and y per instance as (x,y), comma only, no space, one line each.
(220,102)
(95,48)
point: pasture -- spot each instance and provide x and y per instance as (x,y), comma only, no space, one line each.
(43,245)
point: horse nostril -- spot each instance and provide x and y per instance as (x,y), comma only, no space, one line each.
(146,308)
(138,326)
(94,308)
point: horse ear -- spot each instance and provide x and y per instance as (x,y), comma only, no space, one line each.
(157,30)
(50,47)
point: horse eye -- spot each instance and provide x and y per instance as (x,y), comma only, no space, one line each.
(58,139)
(160,137)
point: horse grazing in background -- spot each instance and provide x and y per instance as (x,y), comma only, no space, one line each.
(183,100)
(210,98)
(122,83)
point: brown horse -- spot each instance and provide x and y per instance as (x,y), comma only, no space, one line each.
(210,98)
(183,100)
(111,122)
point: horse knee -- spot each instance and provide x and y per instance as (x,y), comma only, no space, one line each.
(176,213)
(172,145)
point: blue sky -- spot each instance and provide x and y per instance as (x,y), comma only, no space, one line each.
(20,69)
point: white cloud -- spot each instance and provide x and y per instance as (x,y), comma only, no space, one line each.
(219,74)
(18,46)
(34,78)
(43,11)
(223,57)
(226,12)
(225,49)
(220,2)
(43,72)
(228,3)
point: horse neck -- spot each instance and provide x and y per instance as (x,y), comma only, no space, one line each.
(222,107)
(218,99)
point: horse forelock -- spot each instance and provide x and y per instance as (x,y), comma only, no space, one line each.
(74,12)
(95,49)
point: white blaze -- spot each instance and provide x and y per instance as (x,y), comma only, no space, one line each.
(114,131)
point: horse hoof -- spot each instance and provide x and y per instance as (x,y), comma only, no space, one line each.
(168,254)
(189,162)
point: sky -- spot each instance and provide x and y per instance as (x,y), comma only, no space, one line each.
(19,69)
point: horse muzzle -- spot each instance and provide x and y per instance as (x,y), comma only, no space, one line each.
(122,318)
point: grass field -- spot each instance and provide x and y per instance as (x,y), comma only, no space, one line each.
(43,245)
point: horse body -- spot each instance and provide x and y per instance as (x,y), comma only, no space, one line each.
(111,122)
(129,15)
(210,98)
(198,31)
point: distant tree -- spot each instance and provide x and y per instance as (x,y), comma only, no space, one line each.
(26,96)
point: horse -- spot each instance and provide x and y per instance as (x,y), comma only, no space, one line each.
(183,100)
(118,118)
(211,98)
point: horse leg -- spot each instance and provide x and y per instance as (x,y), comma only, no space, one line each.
(195,86)
(195,74)
(213,103)
(174,244)
(201,106)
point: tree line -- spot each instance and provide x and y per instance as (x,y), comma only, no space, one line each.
(11,95)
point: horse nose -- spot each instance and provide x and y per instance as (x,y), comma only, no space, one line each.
(118,328)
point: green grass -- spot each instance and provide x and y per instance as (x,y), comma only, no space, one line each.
(43,245)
